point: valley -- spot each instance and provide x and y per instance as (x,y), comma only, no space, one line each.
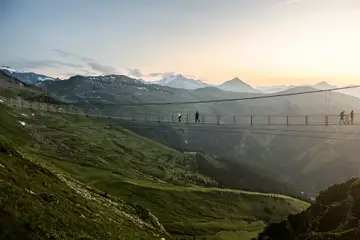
(180,120)
(288,159)
(147,174)
(184,184)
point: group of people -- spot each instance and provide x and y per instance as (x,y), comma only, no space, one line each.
(197,115)
(346,118)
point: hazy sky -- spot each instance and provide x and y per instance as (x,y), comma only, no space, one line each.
(263,42)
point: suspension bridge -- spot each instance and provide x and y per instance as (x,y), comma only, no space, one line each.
(188,118)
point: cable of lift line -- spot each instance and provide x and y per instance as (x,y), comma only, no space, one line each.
(222,100)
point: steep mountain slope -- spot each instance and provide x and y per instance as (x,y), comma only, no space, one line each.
(237,85)
(287,158)
(12,87)
(179,81)
(39,202)
(106,92)
(334,215)
(146,174)
(27,77)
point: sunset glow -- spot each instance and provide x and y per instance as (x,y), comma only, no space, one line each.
(262,42)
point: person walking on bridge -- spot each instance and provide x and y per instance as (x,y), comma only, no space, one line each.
(197,117)
(342,115)
(179,117)
(352,117)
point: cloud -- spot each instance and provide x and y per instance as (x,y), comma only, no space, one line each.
(139,74)
(168,74)
(92,63)
(160,74)
(83,72)
(104,69)
(156,74)
(27,64)
(135,72)
(291,1)
(284,3)
(66,54)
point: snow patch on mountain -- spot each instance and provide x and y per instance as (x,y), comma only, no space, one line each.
(10,70)
(26,77)
(179,81)
(45,78)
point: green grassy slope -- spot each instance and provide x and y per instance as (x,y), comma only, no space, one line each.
(37,202)
(299,161)
(142,172)
(11,87)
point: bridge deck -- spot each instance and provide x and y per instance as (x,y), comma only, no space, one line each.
(255,120)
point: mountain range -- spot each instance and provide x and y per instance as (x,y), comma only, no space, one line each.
(27,77)
(181,82)
(261,158)
(296,160)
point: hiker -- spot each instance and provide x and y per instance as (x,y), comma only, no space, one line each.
(197,117)
(352,117)
(342,115)
(179,117)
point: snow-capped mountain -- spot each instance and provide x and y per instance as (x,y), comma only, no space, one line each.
(179,81)
(26,77)
(237,85)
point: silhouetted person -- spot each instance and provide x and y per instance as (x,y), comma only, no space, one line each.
(179,117)
(342,115)
(197,117)
(352,117)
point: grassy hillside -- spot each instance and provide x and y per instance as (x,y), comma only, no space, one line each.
(335,215)
(308,164)
(11,87)
(141,172)
(38,202)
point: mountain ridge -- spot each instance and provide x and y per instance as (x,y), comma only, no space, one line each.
(180,81)
(27,77)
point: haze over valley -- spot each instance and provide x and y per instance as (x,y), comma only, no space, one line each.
(213,120)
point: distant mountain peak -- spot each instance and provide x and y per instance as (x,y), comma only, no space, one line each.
(324,85)
(180,81)
(237,85)
(26,77)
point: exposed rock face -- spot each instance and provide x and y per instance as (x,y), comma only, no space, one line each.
(334,216)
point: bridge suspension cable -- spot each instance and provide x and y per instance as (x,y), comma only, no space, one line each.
(222,100)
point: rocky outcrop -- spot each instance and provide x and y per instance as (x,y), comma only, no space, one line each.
(334,216)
